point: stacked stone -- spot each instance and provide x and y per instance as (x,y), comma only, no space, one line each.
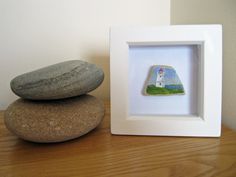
(54,104)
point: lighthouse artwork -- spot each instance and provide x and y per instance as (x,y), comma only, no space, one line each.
(163,80)
(160,78)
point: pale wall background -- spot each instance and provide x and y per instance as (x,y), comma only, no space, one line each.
(218,12)
(37,33)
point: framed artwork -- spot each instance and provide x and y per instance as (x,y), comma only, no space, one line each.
(166,80)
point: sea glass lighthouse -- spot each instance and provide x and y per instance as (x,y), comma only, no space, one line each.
(160,78)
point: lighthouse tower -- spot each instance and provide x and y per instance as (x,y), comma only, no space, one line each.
(160,78)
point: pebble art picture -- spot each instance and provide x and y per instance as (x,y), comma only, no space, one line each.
(163,80)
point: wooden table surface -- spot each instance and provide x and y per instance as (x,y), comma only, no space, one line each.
(101,154)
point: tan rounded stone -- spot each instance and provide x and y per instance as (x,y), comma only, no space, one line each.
(54,121)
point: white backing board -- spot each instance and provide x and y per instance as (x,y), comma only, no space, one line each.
(184,59)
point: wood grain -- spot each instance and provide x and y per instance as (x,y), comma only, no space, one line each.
(101,154)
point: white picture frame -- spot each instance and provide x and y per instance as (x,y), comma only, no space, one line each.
(207,101)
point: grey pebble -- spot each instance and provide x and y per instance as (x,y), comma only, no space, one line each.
(62,80)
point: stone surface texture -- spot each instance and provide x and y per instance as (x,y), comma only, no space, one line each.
(62,80)
(54,121)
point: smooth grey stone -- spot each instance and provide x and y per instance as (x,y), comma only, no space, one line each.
(54,120)
(62,80)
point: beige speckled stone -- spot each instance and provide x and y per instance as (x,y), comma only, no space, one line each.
(54,121)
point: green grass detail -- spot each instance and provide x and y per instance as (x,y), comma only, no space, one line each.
(153,90)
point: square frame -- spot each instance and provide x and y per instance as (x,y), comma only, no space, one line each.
(208,122)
